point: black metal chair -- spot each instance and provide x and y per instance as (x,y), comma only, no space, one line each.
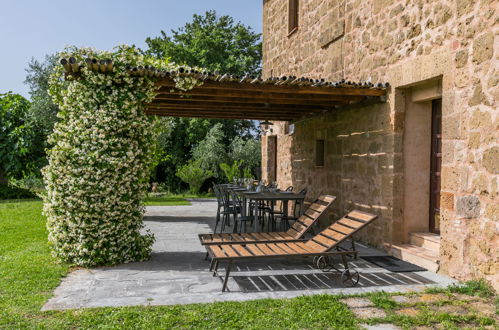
(238,216)
(297,212)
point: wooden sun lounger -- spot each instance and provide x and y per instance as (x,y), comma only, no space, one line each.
(318,246)
(296,232)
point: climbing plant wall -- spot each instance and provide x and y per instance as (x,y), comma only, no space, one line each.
(102,152)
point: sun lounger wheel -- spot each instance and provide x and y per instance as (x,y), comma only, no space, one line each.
(322,262)
(350,277)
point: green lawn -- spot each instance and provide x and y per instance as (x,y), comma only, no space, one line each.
(170,200)
(28,275)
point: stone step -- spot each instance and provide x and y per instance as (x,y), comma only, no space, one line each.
(428,241)
(416,255)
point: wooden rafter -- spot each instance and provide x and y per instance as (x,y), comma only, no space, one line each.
(225,96)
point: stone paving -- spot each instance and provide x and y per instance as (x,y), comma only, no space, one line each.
(178,274)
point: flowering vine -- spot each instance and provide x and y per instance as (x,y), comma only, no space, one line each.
(100,161)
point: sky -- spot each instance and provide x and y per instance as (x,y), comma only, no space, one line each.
(31,29)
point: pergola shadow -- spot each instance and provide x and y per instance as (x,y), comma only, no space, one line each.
(322,281)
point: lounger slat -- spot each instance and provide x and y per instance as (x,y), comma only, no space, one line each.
(313,214)
(342,229)
(260,237)
(307,248)
(315,246)
(276,248)
(324,240)
(268,236)
(327,198)
(361,215)
(237,238)
(298,227)
(286,248)
(256,251)
(265,249)
(306,220)
(293,233)
(242,251)
(217,251)
(350,223)
(216,238)
(229,251)
(318,207)
(247,237)
(297,248)
(333,234)
(225,237)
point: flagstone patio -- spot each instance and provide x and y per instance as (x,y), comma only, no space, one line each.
(178,274)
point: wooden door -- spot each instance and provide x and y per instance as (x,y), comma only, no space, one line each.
(436,165)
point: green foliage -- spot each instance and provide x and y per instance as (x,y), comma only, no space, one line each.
(248,150)
(217,44)
(21,147)
(42,110)
(232,171)
(180,136)
(247,173)
(98,172)
(472,288)
(10,192)
(383,300)
(211,42)
(194,175)
(211,150)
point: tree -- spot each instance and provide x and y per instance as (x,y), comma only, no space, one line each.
(194,175)
(211,42)
(247,150)
(21,148)
(42,110)
(217,44)
(210,152)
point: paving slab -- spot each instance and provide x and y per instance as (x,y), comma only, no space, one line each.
(178,274)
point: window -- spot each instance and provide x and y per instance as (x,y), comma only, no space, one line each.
(293,16)
(319,153)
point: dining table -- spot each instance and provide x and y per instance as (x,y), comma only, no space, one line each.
(266,196)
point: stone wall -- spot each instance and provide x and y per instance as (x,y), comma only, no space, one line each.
(406,43)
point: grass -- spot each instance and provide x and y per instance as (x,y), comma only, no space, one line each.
(28,275)
(161,199)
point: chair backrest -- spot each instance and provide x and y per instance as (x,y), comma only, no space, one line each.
(307,219)
(216,190)
(340,230)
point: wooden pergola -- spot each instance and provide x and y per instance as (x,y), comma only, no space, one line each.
(232,97)
(271,99)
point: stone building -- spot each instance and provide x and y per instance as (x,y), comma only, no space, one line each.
(426,160)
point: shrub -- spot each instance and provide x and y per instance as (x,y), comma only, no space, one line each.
(194,175)
(99,165)
(9,192)
(231,171)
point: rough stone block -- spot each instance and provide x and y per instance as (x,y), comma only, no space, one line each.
(483,47)
(468,206)
(490,160)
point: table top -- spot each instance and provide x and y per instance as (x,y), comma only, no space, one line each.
(271,196)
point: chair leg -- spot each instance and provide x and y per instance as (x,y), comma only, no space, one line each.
(345,261)
(206,256)
(217,220)
(214,268)
(355,255)
(227,272)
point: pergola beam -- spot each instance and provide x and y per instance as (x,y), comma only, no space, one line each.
(237,86)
